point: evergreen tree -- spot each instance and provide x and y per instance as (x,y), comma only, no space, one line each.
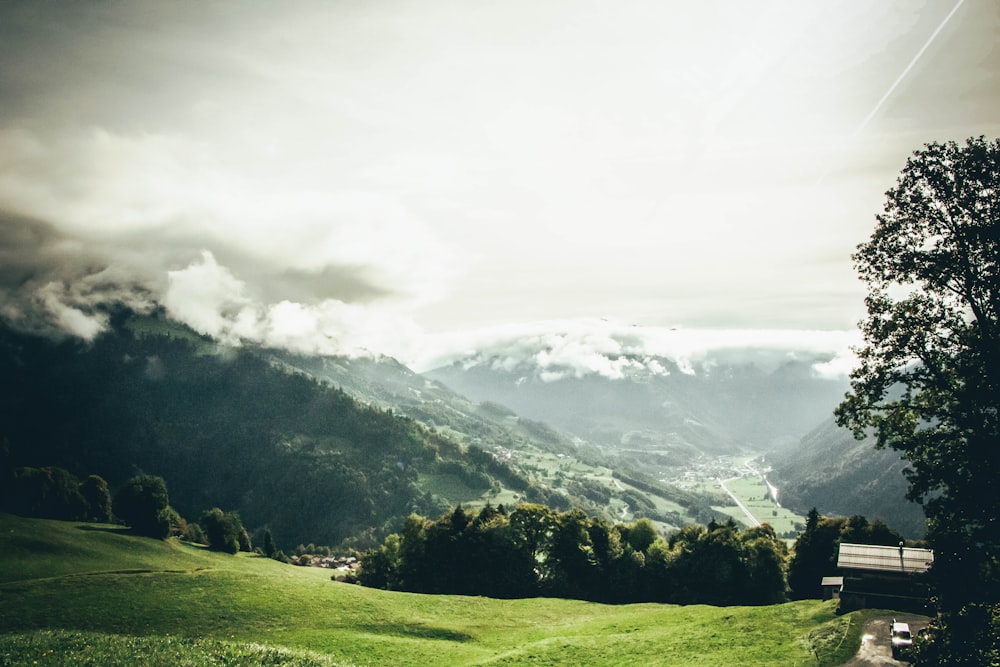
(268,544)
(95,492)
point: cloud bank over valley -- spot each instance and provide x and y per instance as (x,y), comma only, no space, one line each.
(554,350)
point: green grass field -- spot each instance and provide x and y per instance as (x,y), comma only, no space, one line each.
(752,492)
(79,594)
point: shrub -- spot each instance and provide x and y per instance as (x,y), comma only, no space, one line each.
(95,492)
(194,533)
(224,530)
(143,504)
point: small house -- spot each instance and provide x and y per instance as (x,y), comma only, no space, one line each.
(831,587)
(887,577)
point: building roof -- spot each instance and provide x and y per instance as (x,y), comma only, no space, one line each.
(832,581)
(884,559)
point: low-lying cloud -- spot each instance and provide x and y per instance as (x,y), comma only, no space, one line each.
(96,218)
(577,348)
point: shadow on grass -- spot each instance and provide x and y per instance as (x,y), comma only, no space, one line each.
(105,528)
(417,630)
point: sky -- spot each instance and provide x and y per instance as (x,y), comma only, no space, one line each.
(434,179)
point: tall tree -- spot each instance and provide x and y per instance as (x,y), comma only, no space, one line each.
(928,382)
(817,547)
(268,548)
(765,558)
(95,491)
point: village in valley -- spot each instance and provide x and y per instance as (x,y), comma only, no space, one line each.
(737,487)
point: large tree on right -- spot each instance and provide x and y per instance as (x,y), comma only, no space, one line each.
(928,379)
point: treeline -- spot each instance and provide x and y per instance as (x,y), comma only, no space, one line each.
(537,551)
(814,555)
(142,504)
(54,493)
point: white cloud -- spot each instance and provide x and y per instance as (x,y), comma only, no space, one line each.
(211,300)
(576,348)
(173,195)
(70,318)
(208,298)
(230,255)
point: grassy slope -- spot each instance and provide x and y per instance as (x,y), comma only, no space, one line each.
(64,586)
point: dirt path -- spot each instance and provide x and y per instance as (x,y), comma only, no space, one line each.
(876,650)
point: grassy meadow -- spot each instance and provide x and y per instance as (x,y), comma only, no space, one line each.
(752,492)
(83,594)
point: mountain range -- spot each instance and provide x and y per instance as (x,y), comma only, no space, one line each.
(663,414)
(719,405)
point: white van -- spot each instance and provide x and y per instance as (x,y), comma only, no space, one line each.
(901,639)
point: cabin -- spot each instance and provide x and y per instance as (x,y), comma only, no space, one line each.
(876,576)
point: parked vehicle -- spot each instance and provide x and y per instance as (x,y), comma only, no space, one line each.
(901,638)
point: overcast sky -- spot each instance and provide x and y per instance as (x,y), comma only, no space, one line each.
(424,178)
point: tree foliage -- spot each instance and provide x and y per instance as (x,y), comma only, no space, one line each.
(928,382)
(48,492)
(51,492)
(224,531)
(144,505)
(814,555)
(98,498)
(535,550)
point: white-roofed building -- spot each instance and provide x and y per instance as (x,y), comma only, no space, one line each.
(881,576)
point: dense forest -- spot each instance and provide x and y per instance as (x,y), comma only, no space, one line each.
(534,550)
(225,428)
(832,470)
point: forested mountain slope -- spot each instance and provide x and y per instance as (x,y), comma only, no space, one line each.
(563,468)
(841,476)
(385,382)
(224,427)
(285,440)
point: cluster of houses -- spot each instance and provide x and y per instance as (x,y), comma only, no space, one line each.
(343,566)
(873,576)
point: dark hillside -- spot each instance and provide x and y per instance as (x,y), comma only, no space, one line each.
(841,476)
(594,478)
(385,382)
(224,428)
